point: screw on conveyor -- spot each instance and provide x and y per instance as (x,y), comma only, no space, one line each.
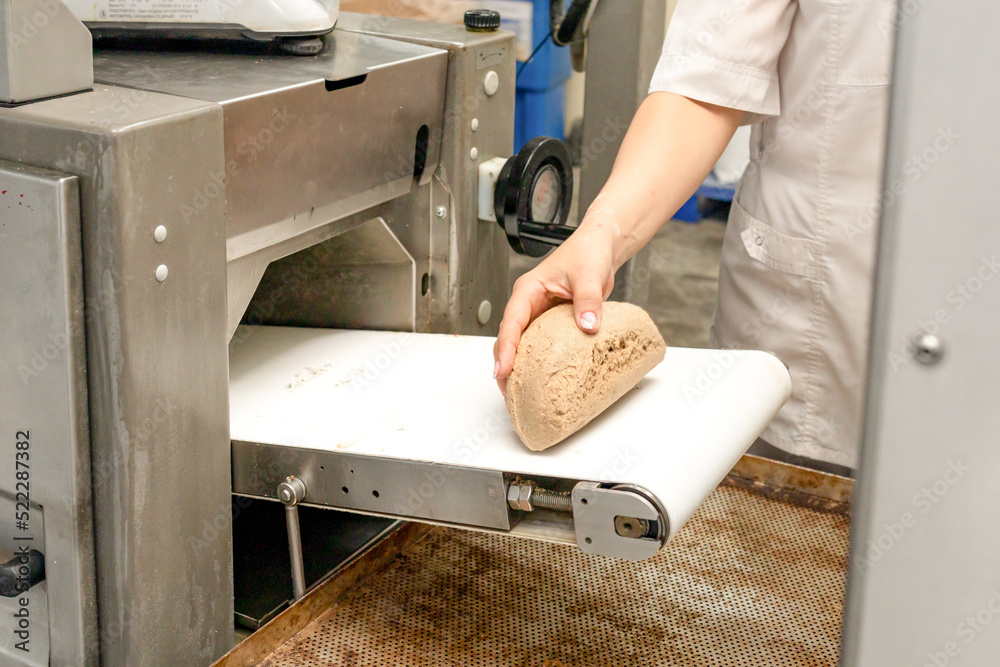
(527,498)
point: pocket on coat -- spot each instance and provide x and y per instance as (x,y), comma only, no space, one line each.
(778,251)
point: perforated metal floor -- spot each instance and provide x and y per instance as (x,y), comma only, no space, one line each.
(749,581)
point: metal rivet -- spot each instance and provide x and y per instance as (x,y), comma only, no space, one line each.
(491,83)
(161,272)
(441,212)
(474,124)
(485,312)
(474,153)
(927,349)
(759,241)
(160,233)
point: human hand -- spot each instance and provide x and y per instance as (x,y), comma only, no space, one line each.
(581,270)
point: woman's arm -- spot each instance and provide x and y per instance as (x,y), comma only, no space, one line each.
(671,145)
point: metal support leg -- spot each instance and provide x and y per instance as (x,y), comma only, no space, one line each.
(291,492)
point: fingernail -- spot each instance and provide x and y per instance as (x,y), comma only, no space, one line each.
(496,369)
(588,321)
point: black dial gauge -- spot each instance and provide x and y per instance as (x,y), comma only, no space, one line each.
(533,195)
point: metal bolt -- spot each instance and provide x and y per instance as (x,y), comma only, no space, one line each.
(441,212)
(292,491)
(526,498)
(927,349)
(628,526)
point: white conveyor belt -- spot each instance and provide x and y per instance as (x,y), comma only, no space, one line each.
(431,398)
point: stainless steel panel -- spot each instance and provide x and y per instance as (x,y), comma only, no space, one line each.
(363,278)
(618,75)
(157,367)
(300,150)
(43,393)
(378,485)
(467,260)
(44,51)
(924,581)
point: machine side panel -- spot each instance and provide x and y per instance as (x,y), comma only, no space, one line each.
(45,443)
(156,360)
(469,257)
(618,75)
(924,585)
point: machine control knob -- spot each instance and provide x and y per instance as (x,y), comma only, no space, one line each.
(533,195)
(482,20)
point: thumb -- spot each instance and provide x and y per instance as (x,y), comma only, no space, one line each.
(588,297)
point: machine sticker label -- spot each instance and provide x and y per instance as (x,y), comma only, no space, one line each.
(186,11)
(516,16)
(491,56)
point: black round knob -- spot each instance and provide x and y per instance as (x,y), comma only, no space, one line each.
(482,20)
(532,196)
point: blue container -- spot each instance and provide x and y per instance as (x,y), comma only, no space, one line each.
(541,88)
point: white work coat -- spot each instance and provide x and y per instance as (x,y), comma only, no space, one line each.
(799,251)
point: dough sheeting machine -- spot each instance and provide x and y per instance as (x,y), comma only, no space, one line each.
(156,200)
(151,201)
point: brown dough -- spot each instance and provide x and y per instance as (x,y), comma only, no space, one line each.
(563,377)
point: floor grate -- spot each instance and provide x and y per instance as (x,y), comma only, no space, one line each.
(749,581)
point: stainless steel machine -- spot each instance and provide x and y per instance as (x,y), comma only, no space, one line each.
(187,234)
(227,270)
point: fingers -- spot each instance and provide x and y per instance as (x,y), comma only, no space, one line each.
(502,383)
(588,297)
(528,300)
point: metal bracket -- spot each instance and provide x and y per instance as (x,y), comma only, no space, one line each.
(622,521)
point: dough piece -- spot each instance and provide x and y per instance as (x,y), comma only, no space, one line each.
(563,377)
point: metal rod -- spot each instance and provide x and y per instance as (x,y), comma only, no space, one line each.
(295,551)
(551,500)
(291,492)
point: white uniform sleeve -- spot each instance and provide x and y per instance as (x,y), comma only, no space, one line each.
(725,52)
